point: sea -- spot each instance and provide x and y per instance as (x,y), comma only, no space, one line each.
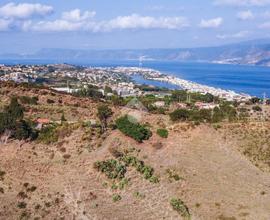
(252,80)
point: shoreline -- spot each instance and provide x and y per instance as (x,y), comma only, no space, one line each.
(155,75)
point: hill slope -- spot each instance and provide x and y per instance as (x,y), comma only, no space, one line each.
(247,53)
(206,168)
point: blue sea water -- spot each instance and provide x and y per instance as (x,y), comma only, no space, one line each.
(253,80)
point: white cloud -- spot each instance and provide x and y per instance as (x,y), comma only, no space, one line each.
(24,10)
(242,2)
(56,26)
(240,34)
(245,15)
(133,21)
(76,15)
(211,23)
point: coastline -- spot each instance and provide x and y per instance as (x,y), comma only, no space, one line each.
(155,75)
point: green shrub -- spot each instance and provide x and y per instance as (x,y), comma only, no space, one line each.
(163,132)
(21,205)
(180,115)
(202,115)
(116,197)
(48,135)
(28,100)
(139,195)
(179,206)
(139,165)
(172,175)
(12,119)
(23,130)
(113,169)
(257,108)
(134,130)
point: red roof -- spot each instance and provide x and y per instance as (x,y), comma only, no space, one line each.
(43,120)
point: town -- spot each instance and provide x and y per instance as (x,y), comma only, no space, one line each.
(69,78)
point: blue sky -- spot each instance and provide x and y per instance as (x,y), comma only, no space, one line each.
(27,26)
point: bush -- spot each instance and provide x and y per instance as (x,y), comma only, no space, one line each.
(28,100)
(179,206)
(24,131)
(163,133)
(134,130)
(21,205)
(116,197)
(48,135)
(113,169)
(90,91)
(145,170)
(50,101)
(201,115)
(12,120)
(14,109)
(180,115)
(257,108)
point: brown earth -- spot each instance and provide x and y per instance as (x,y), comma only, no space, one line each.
(222,175)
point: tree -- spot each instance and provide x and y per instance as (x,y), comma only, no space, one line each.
(23,130)
(180,115)
(12,123)
(179,95)
(63,119)
(104,112)
(108,90)
(14,109)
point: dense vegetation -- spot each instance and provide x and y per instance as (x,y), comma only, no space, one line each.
(12,122)
(183,96)
(225,111)
(117,168)
(89,91)
(113,169)
(134,130)
(141,167)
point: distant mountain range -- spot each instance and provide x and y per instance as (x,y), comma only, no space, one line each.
(256,52)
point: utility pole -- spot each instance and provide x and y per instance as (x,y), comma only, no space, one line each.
(188,98)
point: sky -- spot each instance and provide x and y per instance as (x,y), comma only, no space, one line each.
(28,26)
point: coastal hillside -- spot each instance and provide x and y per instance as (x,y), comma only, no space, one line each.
(90,160)
(256,52)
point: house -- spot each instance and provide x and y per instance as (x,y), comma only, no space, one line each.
(181,105)
(159,104)
(41,122)
(202,105)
